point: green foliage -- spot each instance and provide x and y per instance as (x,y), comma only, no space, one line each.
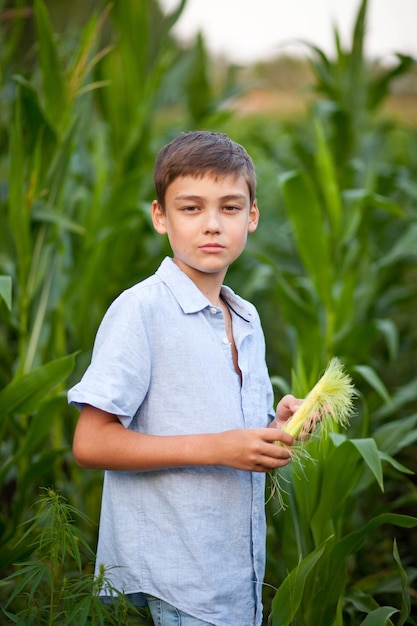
(51,585)
(332,270)
(353,231)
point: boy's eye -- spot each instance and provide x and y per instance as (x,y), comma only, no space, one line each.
(231,209)
(190,209)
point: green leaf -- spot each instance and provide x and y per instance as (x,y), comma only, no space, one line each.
(353,542)
(394,463)
(373,380)
(341,472)
(394,436)
(405,246)
(328,180)
(379,617)
(55,92)
(306,217)
(40,425)
(6,290)
(389,331)
(405,594)
(335,577)
(407,394)
(19,216)
(289,595)
(48,214)
(26,393)
(370,454)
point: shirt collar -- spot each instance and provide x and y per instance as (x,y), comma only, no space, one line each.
(190,298)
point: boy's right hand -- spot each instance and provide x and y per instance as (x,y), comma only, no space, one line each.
(101,442)
(254,449)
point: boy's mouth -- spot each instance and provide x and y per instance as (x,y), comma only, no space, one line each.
(211,247)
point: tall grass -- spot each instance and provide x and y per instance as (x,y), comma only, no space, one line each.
(332,270)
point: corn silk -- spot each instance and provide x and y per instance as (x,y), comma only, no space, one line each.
(327,408)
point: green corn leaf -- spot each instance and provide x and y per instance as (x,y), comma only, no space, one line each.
(289,595)
(19,216)
(400,398)
(405,594)
(389,331)
(25,394)
(405,246)
(328,181)
(341,473)
(382,84)
(58,171)
(38,469)
(353,542)
(373,380)
(56,100)
(394,436)
(6,290)
(85,61)
(306,217)
(198,87)
(46,213)
(367,448)
(40,426)
(394,463)
(38,129)
(388,205)
(380,616)
(360,600)
(172,18)
(334,578)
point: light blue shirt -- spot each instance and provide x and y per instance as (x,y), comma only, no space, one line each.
(192,536)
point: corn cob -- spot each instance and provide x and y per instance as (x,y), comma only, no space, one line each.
(329,403)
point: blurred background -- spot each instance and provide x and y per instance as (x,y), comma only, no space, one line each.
(324,100)
(245,32)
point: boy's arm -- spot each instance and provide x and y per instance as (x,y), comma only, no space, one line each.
(102,442)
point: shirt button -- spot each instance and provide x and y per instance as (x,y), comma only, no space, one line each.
(213,310)
(225,340)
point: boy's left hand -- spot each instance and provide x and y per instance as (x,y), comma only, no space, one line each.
(286,407)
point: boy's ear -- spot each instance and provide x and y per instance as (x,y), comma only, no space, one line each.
(253,218)
(158,218)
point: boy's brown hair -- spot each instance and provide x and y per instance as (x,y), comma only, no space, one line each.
(198,153)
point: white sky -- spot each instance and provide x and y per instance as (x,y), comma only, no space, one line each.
(252,30)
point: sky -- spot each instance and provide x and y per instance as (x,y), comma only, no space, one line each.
(246,31)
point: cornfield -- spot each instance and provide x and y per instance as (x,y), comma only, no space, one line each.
(86,104)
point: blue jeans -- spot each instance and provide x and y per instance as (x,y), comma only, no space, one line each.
(164,614)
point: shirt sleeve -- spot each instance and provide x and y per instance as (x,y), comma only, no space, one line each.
(118,376)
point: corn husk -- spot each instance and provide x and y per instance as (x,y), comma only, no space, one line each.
(328,407)
(328,404)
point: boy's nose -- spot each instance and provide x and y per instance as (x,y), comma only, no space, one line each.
(212,224)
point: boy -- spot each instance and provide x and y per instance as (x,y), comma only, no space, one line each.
(177,401)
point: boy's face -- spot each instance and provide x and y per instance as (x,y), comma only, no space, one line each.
(207,221)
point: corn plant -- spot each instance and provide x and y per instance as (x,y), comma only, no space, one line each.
(346,229)
(331,269)
(81,124)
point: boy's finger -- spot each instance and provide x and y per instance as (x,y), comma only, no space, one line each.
(275,434)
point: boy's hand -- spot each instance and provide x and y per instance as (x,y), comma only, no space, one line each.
(286,407)
(254,449)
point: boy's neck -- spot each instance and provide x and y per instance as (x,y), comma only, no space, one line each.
(209,284)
